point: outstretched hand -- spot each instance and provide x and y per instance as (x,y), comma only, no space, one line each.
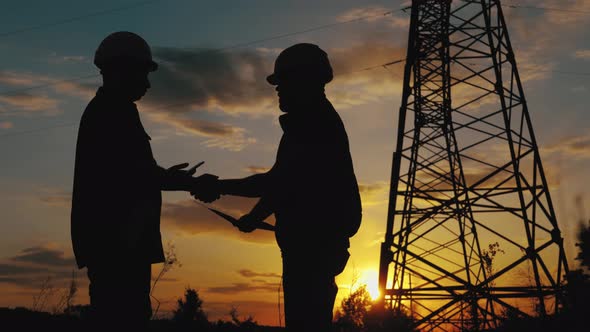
(179,178)
(206,188)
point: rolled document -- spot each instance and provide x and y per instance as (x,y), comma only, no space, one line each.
(236,222)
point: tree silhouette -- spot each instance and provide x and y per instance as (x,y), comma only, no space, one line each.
(189,312)
(359,313)
(577,286)
(584,245)
(353,310)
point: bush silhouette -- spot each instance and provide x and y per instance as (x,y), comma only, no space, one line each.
(189,311)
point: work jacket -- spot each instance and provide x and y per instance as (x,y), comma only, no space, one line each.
(312,188)
(116,200)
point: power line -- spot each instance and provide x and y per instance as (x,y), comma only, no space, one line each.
(226,48)
(169,106)
(77,18)
(316,28)
(517,6)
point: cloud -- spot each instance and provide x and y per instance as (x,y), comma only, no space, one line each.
(241,287)
(192,218)
(360,77)
(231,82)
(570,13)
(44,256)
(32,266)
(63,59)
(582,54)
(373,14)
(574,146)
(251,274)
(11,269)
(374,194)
(219,135)
(255,284)
(30,102)
(18,79)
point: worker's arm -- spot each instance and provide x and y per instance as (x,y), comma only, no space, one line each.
(252,186)
(178,178)
(262,210)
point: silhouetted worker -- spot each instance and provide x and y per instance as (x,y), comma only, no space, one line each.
(311,189)
(115,217)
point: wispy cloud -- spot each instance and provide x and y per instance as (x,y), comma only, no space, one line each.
(241,287)
(33,265)
(582,54)
(374,194)
(373,14)
(219,135)
(251,274)
(577,147)
(256,283)
(25,98)
(29,102)
(44,256)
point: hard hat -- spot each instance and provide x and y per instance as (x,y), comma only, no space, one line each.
(303,59)
(124,45)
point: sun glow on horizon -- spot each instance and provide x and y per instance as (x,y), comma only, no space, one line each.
(371,280)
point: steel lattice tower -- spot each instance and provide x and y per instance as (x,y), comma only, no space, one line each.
(471,230)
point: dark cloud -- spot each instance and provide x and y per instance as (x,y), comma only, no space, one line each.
(44,256)
(251,274)
(234,81)
(204,78)
(34,265)
(191,217)
(11,269)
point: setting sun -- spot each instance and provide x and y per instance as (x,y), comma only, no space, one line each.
(372,281)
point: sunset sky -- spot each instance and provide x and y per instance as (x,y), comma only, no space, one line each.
(210,102)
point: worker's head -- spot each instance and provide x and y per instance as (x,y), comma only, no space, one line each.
(125,60)
(300,74)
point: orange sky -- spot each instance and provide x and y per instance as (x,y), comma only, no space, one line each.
(220,110)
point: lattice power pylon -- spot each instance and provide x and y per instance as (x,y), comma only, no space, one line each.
(471,234)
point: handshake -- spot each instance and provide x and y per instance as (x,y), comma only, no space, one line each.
(206,187)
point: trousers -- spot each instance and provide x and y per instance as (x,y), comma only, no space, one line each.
(309,290)
(119,297)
